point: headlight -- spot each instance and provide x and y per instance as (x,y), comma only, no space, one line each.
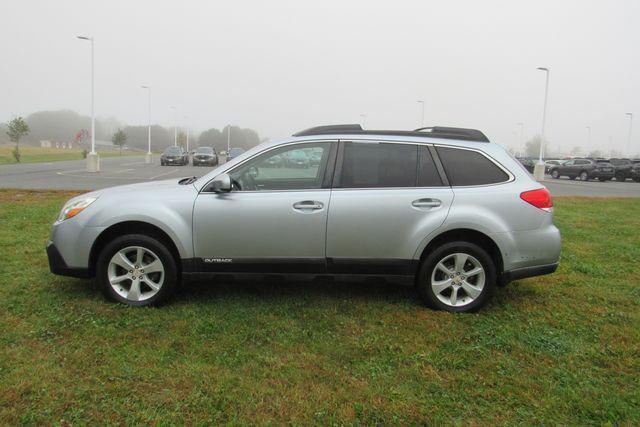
(74,208)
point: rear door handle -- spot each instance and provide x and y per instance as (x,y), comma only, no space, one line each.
(426,203)
(308,205)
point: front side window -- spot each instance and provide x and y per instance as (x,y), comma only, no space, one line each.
(466,167)
(294,167)
(381,165)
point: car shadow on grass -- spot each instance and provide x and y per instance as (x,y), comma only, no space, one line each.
(282,287)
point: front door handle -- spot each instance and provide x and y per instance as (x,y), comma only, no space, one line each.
(426,203)
(308,205)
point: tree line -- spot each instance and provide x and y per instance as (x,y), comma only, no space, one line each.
(69,126)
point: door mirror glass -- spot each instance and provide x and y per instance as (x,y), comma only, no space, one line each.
(220,184)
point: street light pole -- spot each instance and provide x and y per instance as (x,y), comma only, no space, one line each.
(228,140)
(521,144)
(93,160)
(630,127)
(175,127)
(422,121)
(185,120)
(148,157)
(538,171)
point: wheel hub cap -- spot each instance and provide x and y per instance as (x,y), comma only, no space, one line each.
(135,273)
(458,279)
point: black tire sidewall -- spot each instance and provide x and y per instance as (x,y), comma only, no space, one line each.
(423,278)
(168,261)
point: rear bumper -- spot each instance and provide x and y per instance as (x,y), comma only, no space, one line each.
(58,266)
(523,273)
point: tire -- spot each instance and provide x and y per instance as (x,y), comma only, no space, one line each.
(164,277)
(584,176)
(448,255)
(161,162)
(555,174)
(602,179)
(620,178)
(636,179)
(572,177)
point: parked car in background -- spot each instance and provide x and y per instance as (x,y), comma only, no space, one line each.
(298,159)
(548,164)
(622,168)
(205,156)
(584,169)
(174,156)
(234,152)
(635,170)
(529,164)
(274,162)
(447,209)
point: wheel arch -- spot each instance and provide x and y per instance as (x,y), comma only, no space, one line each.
(467,235)
(131,227)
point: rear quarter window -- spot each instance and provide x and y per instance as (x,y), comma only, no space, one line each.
(466,167)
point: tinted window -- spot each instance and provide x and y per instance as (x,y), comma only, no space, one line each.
(466,167)
(286,168)
(173,150)
(367,165)
(428,175)
(204,150)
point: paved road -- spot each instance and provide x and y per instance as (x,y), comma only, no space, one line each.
(71,175)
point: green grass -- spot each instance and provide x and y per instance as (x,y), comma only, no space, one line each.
(38,155)
(559,349)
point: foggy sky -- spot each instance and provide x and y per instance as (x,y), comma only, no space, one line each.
(281,66)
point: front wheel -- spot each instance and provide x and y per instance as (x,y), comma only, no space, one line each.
(456,277)
(555,174)
(137,270)
(584,176)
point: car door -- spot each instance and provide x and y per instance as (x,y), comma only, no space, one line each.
(386,198)
(274,219)
(566,168)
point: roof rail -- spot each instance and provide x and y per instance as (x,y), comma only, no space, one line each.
(428,132)
(320,130)
(473,133)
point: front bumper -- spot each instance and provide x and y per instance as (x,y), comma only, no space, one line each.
(174,161)
(58,266)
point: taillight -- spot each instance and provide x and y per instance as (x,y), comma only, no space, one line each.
(540,198)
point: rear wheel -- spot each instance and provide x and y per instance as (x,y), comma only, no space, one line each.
(137,270)
(456,277)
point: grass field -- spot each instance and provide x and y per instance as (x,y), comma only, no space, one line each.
(559,349)
(32,154)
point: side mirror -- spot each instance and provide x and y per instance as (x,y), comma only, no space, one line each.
(221,184)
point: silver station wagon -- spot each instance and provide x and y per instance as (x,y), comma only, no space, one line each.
(441,205)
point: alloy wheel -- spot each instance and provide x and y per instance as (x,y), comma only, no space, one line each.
(135,273)
(458,279)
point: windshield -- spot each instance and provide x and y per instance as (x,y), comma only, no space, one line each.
(172,150)
(204,150)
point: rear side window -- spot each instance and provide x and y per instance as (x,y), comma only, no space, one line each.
(466,167)
(367,165)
